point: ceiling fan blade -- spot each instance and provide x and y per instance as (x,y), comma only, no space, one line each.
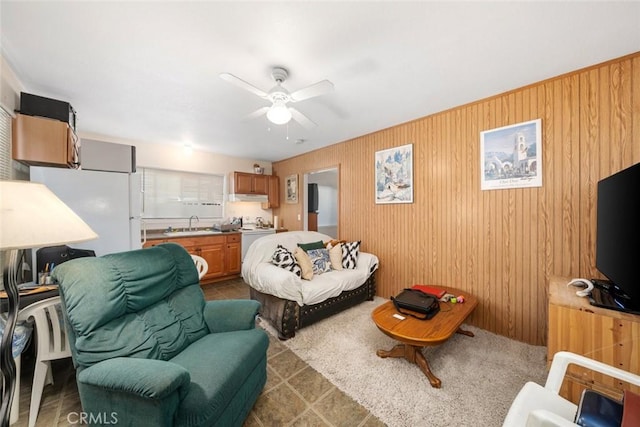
(316,89)
(241,83)
(302,119)
(257,113)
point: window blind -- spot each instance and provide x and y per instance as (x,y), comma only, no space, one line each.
(177,194)
(5,165)
(5,145)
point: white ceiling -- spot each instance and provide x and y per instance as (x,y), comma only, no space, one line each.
(148,71)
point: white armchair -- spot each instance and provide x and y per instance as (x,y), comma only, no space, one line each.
(201,265)
(537,406)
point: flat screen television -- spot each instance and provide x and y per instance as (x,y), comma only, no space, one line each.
(618,241)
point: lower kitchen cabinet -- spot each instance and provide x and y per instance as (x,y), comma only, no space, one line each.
(222,253)
(233,254)
(213,252)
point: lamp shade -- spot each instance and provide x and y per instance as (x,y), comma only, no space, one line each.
(32,216)
(279,114)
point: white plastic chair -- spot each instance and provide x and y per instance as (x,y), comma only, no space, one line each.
(201,265)
(51,344)
(537,406)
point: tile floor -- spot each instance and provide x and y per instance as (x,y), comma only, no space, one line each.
(295,394)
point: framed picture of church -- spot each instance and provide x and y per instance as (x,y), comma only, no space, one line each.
(511,156)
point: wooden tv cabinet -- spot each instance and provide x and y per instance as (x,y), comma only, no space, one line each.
(610,336)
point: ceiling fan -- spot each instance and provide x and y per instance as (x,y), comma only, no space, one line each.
(279,112)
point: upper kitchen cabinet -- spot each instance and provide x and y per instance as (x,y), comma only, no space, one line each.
(250,183)
(273,194)
(44,142)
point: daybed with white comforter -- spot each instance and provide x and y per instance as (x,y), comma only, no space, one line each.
(290,302)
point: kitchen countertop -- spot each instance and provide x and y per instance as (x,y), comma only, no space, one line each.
(257,229)
(157,235)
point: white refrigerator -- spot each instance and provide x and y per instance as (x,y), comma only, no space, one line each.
(110,202)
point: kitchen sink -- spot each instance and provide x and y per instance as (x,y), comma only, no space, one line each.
(190,233)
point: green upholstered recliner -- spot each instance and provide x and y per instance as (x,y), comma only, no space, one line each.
(150,351)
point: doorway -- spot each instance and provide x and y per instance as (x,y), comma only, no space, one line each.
(321,186)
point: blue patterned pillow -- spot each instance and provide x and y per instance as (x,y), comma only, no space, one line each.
(350,252)
(320,260)
(21,335)
(283,258)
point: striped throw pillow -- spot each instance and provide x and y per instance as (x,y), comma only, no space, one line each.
(283,258)
(350,252)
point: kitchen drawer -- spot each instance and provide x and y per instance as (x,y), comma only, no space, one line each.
(211,240)
(187,242)
(191,241)
(153,242)
(200,240)
(233,238)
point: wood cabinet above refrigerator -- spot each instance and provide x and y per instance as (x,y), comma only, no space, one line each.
(41,141)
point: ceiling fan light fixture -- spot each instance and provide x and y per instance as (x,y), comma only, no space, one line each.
(279,114)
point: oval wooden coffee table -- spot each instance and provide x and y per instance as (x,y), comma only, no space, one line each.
(415,334)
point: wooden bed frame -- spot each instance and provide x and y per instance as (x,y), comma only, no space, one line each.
(287,316)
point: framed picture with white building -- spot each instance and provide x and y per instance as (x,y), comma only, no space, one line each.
(511,156)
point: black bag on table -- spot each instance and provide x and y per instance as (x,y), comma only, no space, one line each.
(59,254)
(416,301)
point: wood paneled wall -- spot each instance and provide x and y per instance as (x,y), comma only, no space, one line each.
(501,245)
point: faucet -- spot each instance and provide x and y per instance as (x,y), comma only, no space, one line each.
(192,217)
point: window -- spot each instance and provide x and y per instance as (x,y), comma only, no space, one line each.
(5,172)
(176,194)
(5,145)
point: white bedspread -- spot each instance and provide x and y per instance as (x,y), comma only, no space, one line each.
(262,275)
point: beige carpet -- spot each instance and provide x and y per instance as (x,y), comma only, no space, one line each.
(480,375)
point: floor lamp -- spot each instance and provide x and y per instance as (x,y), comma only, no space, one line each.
(31,217)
